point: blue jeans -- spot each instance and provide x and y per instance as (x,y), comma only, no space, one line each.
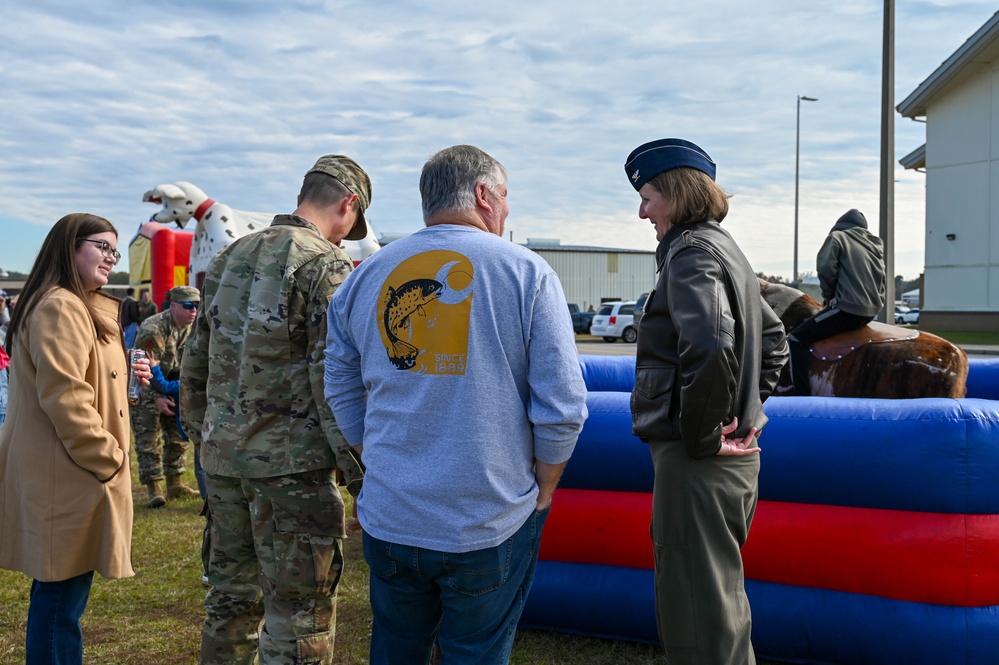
(131,330)
(199,473)
(54,636)
(469,603)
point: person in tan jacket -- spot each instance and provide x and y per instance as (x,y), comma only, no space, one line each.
(65,488)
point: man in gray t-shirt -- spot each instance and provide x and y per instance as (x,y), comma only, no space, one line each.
(451,367)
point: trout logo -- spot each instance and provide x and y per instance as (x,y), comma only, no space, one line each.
(426,306)
(401,305)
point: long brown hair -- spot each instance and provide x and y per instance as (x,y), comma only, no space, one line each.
(56,266)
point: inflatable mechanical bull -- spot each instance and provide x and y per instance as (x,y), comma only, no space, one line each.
(877,360)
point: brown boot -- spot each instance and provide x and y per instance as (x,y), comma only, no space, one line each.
(177,489)
(156,498)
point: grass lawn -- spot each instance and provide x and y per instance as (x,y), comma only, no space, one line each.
(971,337)
(155,617)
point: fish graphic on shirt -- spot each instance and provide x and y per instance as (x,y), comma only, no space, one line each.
(404,338)
(401,304)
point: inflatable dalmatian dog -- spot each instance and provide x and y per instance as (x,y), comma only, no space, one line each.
(219,225)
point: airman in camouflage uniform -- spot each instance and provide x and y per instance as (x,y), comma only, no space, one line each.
(252,394)
(159,445)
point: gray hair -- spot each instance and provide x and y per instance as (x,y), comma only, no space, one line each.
(448,181)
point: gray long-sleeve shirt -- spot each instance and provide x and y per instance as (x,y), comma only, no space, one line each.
(451,357)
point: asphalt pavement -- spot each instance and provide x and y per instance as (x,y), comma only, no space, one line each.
(588,345)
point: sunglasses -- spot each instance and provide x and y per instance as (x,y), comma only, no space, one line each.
(188,305)
(106,249)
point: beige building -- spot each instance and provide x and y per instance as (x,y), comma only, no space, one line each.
(592,275)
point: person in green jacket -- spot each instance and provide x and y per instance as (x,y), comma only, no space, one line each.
(851,267)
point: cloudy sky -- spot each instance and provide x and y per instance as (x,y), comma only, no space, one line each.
(106,99)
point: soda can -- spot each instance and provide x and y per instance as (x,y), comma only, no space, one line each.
(134,386)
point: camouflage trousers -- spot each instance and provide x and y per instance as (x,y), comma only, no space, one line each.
(159,445)
(275,559)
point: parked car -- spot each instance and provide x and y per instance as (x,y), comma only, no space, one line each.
(899,311)
(912,316)
(640,308)
(580,320)
(615,320)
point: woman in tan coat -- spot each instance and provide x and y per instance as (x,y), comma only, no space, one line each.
(65,489)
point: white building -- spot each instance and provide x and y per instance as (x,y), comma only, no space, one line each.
(960,104)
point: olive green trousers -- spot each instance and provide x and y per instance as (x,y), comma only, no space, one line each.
(701,513)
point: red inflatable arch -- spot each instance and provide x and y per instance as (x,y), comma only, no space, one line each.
(158,259)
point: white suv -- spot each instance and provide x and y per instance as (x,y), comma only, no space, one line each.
(615,320)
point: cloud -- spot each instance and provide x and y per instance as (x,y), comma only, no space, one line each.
(108,99)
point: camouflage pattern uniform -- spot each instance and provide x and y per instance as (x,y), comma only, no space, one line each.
(159,445)
(252,394)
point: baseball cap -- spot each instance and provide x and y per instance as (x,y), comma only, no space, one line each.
(350,174)
(184,294)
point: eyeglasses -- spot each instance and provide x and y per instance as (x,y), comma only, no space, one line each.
(188,305)
(106,249)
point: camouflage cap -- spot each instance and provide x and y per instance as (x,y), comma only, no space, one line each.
(350,174)
(184,294)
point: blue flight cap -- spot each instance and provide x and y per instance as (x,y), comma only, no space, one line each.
(650,159)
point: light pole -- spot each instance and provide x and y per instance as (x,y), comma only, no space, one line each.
(887,225)
(797,153)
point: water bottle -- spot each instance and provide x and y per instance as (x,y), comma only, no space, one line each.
(134,387)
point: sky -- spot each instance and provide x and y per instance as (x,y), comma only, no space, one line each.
(104,100)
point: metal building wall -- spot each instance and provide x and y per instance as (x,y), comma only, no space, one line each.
(587,278)
(962,183)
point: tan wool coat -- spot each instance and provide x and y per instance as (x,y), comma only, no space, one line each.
(65,487)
